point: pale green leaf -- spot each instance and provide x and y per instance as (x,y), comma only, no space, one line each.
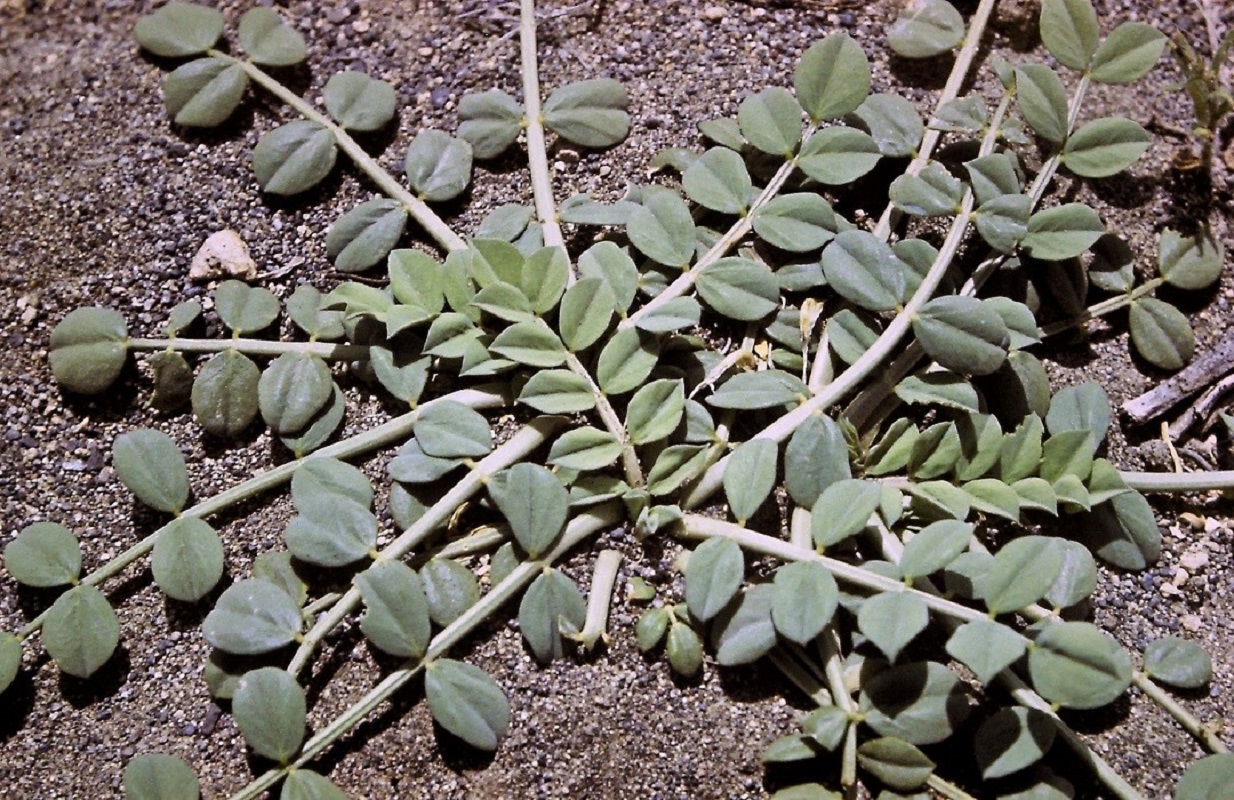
(655,411)
(449,429)
(586,309)
(438,165)
(1062,232)
(270,710)
(626,361)
(333,533)
(292,390)
(450,589)
(533,502)
(750,476)
(934,547)
(920,702)
(890,620)
(986,647)
(893,123)
(88,349)
(225,393)
(187,560)
(962,334)
(304,784)
(81,631)
(245,308)
(662,229)
(150,465)
(43,554)
(1161,333)
(833,77)
(926,28)
(551,606)
(771,121)
(838,155)
(743,631)
(1178,662)
(591,113)
(761,389)
(797,222)
(933,192)
(1042,99)
(490,121)
(713,576)
(358,102)
(1023,571)
(203,93)
(843,509)
(739,288)
(465,701)
(159,776)
(718,180)
(584,449)
(269,40)
(1189,262)
(1105,147)
(1012,739)
(1070,32)
(815,458)
(294,158)
(179,29)
(253,616)
(365,235)
(1076,665)
(1128,53)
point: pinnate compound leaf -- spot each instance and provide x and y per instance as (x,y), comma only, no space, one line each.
(1105,147)
(1042,99)
(1062,232)
(364,236)
(88,349)
(270,710)
(304,784)
(922,702)
(449,429)
(743,631)
(891,620)
(864,270)
(1161,333)
(1189,262)
(187,560)
(225,393)
(533,502)
(1012,739)
(796,222)
(438,165)
(586,309)
(713,576)
(895,762)
(179,29)
(591,113)
(934,547)
(397,619)
(1022,573)
(804,600)
(933,192)
(159,776)
(269,40)
(926,28)
(771,121)
(490,121)
(1070,32)
(253,616)
(763,389)
(893,123)
(986,647)
(204,93)
(551,606)
(833,77)
(662,229)
(1076,665)
(1178,662)
(468,703)
(150,465)
(584,449)
(750,476)
(718,180)
(333,533)
(359,102)
(962,334)
(739,288)
(294,158)
(838,155)
(81,631)
(1128,53)
(843,509)
(450,589)
(43,554)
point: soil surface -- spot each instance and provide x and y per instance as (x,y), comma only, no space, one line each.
(103,201)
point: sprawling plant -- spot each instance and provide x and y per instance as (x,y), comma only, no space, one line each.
(953,492)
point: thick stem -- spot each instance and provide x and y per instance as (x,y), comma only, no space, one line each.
(537,151)
(629,458)
(725,243)
(579,529)
(955,82)
(419,210)
(515,449)
(1179,481)
(255,347)
(1205,735)
(490,396)
(599,599)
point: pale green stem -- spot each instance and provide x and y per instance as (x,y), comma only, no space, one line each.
(833,669)
(419,210)
(512,451)
(1108,306)
(579,529)
(1042,181)
(478,541)
(255,347)
(800,531)
(599,599)
(629,458)
(489,396)
(1021,692)
(720,249)
(320,604)
(537,151)
(852,377)
(800,677)
(1179,481)
(951,90)
(1205,734)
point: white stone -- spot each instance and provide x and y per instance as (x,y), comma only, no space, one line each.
(1194,560)
(1192,622)
(224,254)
